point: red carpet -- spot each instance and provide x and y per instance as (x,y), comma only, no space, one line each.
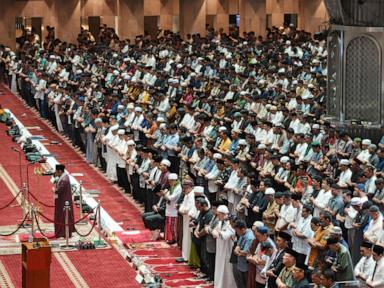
(12,264)
(104,268)
(107,268)
(119,208)
(168,252)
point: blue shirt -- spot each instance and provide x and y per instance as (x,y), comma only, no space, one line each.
(245,242)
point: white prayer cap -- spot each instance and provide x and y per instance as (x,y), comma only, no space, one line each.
(242,142)
(243,93)
(223,209)
(281,70)
(193,74)
(165,162)
(52,57)
(79,71)
(121,132)
(315,61)
(162,126)
(245,43)
(366,142)
(356,201)
(269,191)
(261,146)
(130,106)
(268,106)
(114,127)
(127,77)
(294,82)
(228,56)
(288,42)
(172,176)
(217,156)
(284,159)
(116,72)
(120,107)
(115,55)
(200,58)
(179,66)
(138,109)
(198,189)
(98,120)
(310,85)
(133,61)
(316,126)
(131,143)
(222,128)
(126,59)
(160,119)
(344,162)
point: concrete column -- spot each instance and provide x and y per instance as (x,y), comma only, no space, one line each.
(131,18)
(312,16)
(67,16)
(277,9)
(192,17)
(166,14)
(253,16)
(222,16)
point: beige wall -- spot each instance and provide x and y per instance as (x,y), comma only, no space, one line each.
(98,8)
(312,15)
(65,14)
(192,16)
(253,16)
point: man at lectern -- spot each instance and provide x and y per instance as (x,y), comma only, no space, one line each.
(63,194)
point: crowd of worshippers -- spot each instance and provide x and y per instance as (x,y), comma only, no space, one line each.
(223,141)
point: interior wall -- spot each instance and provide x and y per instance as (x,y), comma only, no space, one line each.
(312,14)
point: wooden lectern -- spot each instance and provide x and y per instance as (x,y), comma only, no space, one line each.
(36,262)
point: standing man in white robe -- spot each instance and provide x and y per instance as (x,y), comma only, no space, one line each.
(224,234)
(187,209)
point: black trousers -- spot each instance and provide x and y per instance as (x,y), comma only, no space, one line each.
(175,164)
(211,265)
(135,182)
(122,178)
(153,220)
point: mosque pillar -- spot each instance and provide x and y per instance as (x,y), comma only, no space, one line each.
(166,14)
(131,18)
(8,25)
(278,8)
(67,16)
(222,16)
(253,16)
(192,17)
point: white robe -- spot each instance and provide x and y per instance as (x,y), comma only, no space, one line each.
(187,208)
(223,269)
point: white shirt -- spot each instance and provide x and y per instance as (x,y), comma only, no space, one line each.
(304,227)
(374,230)
(377,279)
(286,216)
(170,209)
(364,268)
(345,176)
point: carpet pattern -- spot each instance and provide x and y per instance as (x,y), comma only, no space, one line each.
(93,268)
